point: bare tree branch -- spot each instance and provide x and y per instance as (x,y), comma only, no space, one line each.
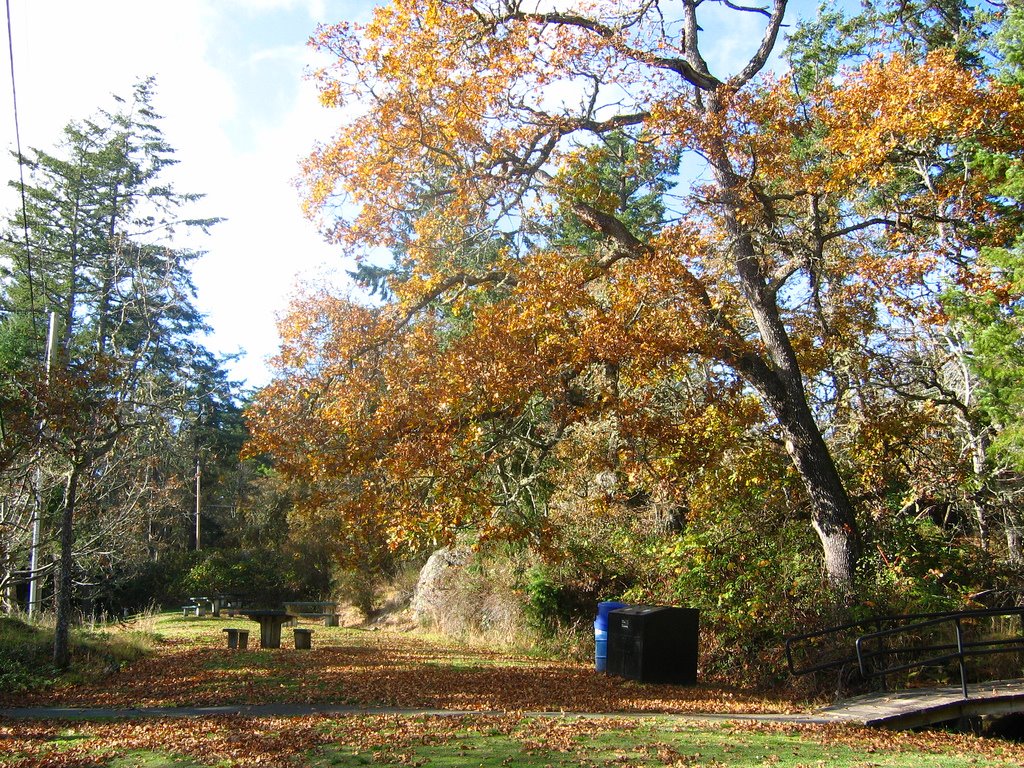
(759,59)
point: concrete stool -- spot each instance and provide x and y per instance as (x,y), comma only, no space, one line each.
(237,638)
(303,639)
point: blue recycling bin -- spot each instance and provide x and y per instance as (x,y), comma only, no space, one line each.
(601,633)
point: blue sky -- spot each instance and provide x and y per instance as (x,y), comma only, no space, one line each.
(240,112)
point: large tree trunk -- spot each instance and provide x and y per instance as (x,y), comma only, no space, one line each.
(73,287)
(107,272)
(1014,537)
(832,513)
(65,580)
(981,499)
(776,375)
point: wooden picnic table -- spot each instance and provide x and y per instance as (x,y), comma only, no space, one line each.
(198,606)
(225,602)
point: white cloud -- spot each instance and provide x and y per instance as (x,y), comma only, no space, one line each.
(257,255)
(238,110)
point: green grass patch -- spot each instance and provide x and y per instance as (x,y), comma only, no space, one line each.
(148,759)
(243,660)
(725,746)
(23,656)
(496,741)
(554,743)
(174,626)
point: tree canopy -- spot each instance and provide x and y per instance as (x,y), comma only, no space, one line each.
(621,271)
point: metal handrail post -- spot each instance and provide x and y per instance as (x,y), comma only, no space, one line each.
(960,656)
(860,656)
(884,651)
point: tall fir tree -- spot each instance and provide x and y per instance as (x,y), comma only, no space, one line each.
(97,244)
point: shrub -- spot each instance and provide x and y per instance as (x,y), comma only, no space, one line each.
(262,576)
(359,587)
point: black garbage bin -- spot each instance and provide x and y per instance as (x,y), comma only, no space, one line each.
(654,644)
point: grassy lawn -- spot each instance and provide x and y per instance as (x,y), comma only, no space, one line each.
(509,740)
(26,653)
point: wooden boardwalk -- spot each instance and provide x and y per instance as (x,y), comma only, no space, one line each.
(918,707)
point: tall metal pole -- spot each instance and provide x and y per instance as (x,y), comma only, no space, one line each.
(33,566)
(199,496)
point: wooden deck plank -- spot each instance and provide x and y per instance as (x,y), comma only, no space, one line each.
(917,707)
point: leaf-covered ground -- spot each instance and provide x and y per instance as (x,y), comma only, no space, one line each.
(485,740)
(377,668)
(194,668)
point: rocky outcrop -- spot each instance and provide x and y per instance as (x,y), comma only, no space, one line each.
(439,585)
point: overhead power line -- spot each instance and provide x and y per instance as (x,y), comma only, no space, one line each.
(21,166)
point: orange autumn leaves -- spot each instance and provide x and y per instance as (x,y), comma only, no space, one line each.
(434,86)
(441,100)
(898,110)
(401,409)
(392,414)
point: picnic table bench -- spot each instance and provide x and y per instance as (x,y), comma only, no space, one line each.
(327,611)
(303,639)
(198,606)
(237,638)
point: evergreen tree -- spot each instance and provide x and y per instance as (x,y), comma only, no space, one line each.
(96,245)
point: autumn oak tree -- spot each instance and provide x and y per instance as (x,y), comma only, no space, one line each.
(801,221)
